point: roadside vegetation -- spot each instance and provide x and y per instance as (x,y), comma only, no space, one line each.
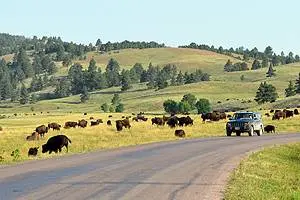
(272,173)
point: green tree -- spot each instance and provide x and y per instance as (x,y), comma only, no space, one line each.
(290,90)
(21,59)
(136,72)
(256,65)
(112,73)
(190,99)
(116,99)
(125,80)
(33,98)
(76,78)
(24,97)
(268,52)
(112,108)
(120,108)
(180,79)
(63,89)
(203,106)
(171,106)
(67,61)
(105,107)
(242,77)
(228,66)
(265,62)
(184,107)
(266,93)
(84,97)
(271,71)
(298,84)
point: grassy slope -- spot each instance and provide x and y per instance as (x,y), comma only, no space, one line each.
(15,130)
(264,175)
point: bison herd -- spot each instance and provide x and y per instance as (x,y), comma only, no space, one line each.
(56,143)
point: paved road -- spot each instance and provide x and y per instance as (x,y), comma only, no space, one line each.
(185,169)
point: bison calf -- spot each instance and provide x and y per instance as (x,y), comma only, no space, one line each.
(180,133)
(56,143)
(33,136)
(33,151)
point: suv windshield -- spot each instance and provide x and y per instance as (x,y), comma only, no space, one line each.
(243,115)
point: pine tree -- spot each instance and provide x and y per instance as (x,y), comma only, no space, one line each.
(125,80)
(85,95)
(24,96)
(290,90)
(119,108)
(116,99)
(112,73)
(63,89)
(21,59)
(33,99)
(266,93)
(180,79)
(271,71)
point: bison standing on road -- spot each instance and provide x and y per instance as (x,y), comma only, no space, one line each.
(56,143)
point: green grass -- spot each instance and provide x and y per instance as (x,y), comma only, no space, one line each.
(269,174)
(16,128)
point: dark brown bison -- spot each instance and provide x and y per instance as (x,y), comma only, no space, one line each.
(179,133)
(54,126)
(110,116)
(82,123)
(185,121)
(122,123)
(56,143)
(33,151)
(84,113)
(296,112)
(279,114)
(165,118)
(97,122)
(214,116)
(158,121)
(267,114)
(172,121)
(288,113)
(42,130)
(271,111)
(108,123)
(269,128)
(33,136)
(71,124)
(91,118)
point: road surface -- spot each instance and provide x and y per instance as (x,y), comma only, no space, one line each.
(185,169)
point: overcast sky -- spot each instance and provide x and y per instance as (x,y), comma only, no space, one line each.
(230,23)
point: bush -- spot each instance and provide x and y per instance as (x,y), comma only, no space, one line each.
(171,106)
(203,106)
(119,108)
(111,108)
(105,107)
(266,93)
(15,154)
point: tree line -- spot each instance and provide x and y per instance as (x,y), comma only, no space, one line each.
(267,56)
(80,81)
(109,46)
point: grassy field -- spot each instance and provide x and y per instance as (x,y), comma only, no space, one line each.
(16,128)
(269,174)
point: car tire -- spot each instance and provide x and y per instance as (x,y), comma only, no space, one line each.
(238,133)
(251,131)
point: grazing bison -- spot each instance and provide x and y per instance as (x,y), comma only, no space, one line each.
(214,116)
(296,112)
(267,114)
(84,113)
(108,123)
(179,133)
(56,143)
(71,124)
(158,121)
(54,126)
(97,122)
(33,136)
(288,113)
(269,128)
(172,121)
(82,123)
(33,151)
(42,130)
(91,118)
(185,121)
(122,123)
(271,111)
(279,114)
(110,116)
